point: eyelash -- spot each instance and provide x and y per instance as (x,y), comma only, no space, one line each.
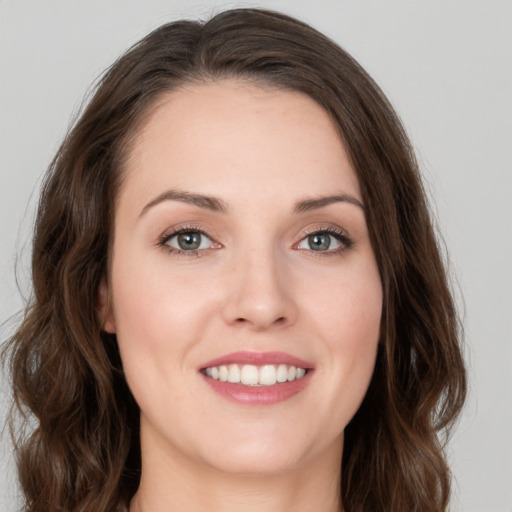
(337,233)
(162,241)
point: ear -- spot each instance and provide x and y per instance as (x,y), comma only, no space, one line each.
(104,308)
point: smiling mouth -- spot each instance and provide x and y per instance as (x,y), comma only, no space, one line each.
(254,375)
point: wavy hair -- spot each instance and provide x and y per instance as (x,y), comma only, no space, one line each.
(82,452)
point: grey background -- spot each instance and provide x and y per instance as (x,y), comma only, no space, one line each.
(446,65)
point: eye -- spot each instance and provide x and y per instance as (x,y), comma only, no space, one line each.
(188,240)
(325,241)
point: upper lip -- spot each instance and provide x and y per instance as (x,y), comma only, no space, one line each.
(258,359)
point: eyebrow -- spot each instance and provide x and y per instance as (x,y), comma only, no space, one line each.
(307,205)
(202,201)
(218,205)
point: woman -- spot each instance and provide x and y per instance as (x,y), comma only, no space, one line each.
(239,301)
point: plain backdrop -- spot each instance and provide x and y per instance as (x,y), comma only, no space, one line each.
(445,65)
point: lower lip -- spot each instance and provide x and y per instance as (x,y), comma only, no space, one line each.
(258,395)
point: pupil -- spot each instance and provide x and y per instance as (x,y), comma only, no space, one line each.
(189,241)
(319,241)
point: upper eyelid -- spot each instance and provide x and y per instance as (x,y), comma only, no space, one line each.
(328,228)
(176,230)
(332,229)
(172,234)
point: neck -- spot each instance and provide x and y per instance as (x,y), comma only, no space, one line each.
(251,494)
(172,482)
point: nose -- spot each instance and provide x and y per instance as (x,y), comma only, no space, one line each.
(259,294)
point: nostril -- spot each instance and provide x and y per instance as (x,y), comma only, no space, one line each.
(280,320)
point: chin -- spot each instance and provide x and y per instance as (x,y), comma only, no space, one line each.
(266,451)
(257,459)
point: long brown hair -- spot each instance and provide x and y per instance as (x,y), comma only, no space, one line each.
(83,452)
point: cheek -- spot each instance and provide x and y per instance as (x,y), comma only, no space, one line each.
(153,303)
(353,338)
(359,319)
(347,306)
(348,318)
(159,317)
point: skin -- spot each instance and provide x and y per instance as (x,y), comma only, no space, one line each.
(255,285)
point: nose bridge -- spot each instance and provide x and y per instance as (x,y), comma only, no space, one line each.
(258,296)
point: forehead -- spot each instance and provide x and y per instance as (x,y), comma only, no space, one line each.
(228,138)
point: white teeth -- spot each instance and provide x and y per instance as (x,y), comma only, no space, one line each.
(234,373)
(251,375)
(268,375)
(223,373)
(282,373)
(292,373)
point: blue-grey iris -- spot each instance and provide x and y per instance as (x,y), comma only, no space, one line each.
(319,241)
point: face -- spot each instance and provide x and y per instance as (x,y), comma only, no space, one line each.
(244,290)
